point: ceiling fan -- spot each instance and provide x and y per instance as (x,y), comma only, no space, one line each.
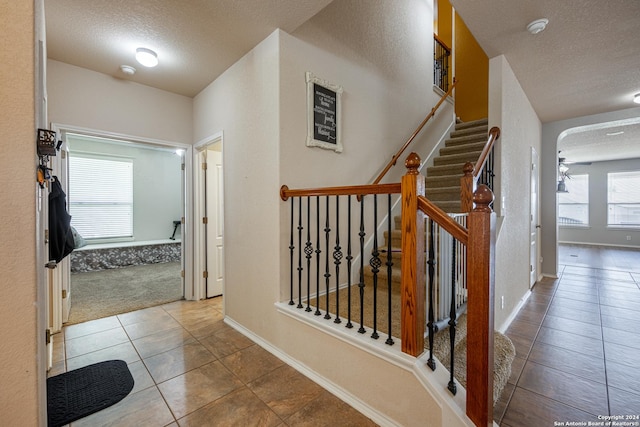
(563,172)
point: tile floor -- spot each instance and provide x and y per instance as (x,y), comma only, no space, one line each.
(577,343)
(191,369)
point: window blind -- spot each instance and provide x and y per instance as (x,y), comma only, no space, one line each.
(101,196)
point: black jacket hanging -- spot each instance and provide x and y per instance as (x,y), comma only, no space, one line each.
(60,235)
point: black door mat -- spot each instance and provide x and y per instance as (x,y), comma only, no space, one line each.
(81,392)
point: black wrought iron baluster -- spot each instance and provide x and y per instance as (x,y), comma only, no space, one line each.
(431,262)
(375,264)
(349,259)
(308,251)
(318,253)
(327,274)
(300,228)
(452,317)
(291,252)
(389,340)
(337,257)
(361,330)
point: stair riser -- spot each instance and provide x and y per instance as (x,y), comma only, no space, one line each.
(443,170)
(442,181)
(470,131)
(471,139)
(472,124)
(456,158)
(466,148)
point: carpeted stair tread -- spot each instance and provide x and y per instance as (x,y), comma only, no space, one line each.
(464,148)
(503,354)
(471,156)
(473,123)
(470,131)
(467,139)
(445,170)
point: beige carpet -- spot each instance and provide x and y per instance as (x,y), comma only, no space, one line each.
(98,294)
(504,351)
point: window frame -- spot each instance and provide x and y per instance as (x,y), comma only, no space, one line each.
(586,224)
(609,203)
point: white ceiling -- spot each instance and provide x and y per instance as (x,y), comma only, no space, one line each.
(196,40)
(586,62)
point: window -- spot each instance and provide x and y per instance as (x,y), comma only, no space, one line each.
(573,206)
(623,198)
(101,196)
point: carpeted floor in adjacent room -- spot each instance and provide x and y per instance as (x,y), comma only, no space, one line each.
(98,294)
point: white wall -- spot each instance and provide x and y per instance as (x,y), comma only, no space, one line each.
(549,164)
(82,98)
(520,128)
(260,105)
(157,200)
(597,233)
(21,371)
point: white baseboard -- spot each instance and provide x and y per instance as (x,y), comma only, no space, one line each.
(505,325)
(334,389)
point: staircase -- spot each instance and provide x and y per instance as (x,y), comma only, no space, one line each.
(465,144)
(443,188)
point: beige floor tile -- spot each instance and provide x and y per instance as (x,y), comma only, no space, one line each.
(144,315)
(225,342)
(142,379)
(197,388)
(176,362)
(160,342)
(285,390)
(142,409)
(205,327)
(150,327)
(251,363)
(124,351)
(94,342)
(59,349)
(328,411)
(91,327)
(234,409)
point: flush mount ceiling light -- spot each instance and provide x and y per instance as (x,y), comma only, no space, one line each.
(128,70)
(636,98)
(146,57)
(537,26)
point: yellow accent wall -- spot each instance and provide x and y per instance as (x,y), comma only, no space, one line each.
(471,70)
(443,22)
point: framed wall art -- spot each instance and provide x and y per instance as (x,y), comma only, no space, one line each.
(324,114)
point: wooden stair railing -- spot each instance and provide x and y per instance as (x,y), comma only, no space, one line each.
(479,238)
(396,156)
(471,172)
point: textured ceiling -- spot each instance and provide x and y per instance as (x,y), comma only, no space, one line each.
(586,62)
(196,40)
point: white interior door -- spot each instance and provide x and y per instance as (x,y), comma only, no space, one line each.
(534,226)
(215,222)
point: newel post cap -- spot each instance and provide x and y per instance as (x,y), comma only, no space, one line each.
(412,164)
(482,198)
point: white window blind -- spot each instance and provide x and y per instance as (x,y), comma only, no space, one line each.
(623,197)
(573,206)
(101,196)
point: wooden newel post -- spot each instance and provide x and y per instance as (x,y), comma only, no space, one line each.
(481,281)
(413,292)
(467,188)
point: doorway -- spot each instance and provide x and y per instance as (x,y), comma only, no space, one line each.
(534,228)
(209,232)
(126,197)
